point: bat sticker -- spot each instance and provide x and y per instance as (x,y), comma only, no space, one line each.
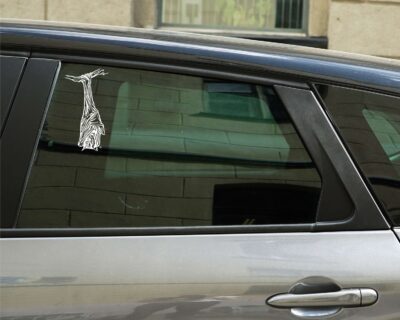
(92,128)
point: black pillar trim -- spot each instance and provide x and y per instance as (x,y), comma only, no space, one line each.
(21,132)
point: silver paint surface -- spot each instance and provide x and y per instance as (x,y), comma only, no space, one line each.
(191,277)
(397,232)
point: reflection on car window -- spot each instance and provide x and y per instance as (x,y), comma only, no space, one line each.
(370,125)
(177,150)
(383,125)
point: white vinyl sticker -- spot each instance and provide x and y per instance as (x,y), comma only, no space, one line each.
(92,128)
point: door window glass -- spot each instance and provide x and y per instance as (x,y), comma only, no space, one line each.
(135,148)
(370,125)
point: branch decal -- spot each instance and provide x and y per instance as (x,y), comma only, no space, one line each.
(91,127)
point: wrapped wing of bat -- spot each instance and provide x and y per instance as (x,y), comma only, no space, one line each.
(91,126)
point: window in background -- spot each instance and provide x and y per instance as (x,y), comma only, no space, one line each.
(262,15)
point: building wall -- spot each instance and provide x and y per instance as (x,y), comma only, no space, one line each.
(23,9)
(111,12)
(318,16)
(365,26)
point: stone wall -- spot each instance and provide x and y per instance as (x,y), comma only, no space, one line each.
(370,27)
(111,12)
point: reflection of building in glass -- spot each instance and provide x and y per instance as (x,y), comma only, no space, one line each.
(175,154)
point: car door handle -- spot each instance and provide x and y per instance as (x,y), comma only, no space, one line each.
(343,298)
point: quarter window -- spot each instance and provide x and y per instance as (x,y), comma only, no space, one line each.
(370,125)
(135,148)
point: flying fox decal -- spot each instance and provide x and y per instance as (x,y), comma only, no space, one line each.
(92,128)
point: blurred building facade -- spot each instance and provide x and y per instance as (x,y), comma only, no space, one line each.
(363,26)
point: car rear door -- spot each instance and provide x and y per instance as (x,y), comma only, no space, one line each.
(210,196)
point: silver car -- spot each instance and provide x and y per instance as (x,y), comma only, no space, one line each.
(158,175)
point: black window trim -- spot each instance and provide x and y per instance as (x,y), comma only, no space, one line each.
(12,87)
(224,70)
(209,71)
(21,133)
(263,74)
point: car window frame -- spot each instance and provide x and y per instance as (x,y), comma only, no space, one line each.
(238,73)
(343,140)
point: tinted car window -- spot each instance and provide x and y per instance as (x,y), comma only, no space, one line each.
(10,73)
(370,125)
(133,148)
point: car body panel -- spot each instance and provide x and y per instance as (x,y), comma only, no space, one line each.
(199,276)
(397,232)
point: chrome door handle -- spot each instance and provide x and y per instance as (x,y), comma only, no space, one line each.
(342,298)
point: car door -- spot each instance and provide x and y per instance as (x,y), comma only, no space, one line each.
(151,193)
